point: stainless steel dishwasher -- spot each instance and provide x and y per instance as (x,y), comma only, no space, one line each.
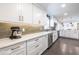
(50,39)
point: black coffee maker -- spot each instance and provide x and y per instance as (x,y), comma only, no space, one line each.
(16,33)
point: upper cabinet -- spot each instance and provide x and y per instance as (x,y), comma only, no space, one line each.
(8,12)
(38,15)
(27,13)
(16,12)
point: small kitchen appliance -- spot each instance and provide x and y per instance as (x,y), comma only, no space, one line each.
(16,33)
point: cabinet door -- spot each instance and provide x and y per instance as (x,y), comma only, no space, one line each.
(39,16)
(8,12)
(55,36)
(74,34)
(27,13)
(61,33)
(44,43)
(14,49)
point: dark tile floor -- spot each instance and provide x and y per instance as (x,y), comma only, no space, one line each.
(63,47)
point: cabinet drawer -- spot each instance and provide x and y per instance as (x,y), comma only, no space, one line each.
(34,46)
(13,48)
(33,41)
(19,52)
(35,51)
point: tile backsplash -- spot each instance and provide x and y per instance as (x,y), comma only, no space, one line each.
(5,30)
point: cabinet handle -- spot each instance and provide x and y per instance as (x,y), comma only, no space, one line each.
(20,18)
(15,48)
(36,46)
(36,39)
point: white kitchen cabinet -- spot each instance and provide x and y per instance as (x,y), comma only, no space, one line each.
(12,12)
(55,36)
(39,15)
(74,34)
(44,43)
(9,12)
(33,46)
(27,13)
(14,49)
(37,46)
(61,33)
(36,15)
(69,34)
(64,33)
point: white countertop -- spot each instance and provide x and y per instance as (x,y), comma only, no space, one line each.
(7,42)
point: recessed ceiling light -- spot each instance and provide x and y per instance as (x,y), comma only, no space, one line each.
(65,14)
(63,5)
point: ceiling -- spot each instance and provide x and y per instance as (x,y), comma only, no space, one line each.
(55,9)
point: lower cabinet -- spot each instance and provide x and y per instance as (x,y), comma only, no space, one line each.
(37,46)
(69,34)
(34,46)
(44,43)
(19,48)
(55,36)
